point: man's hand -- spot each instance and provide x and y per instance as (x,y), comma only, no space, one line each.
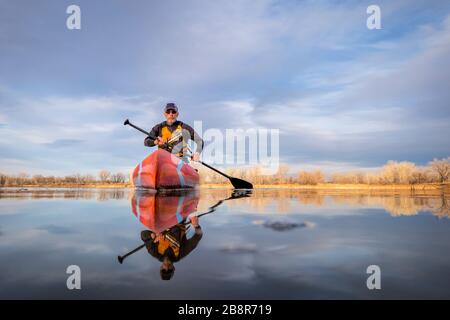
(194,221)
(195,156)
(158,237)
(159,141)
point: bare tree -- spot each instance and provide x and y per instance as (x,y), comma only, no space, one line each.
(118,177)
(347,178)
(304,177)
(104,175)
(38,179)
(23,178)
(397,172)
(69,179)
(441,168)
(88,178)
(319,177)
(420,175)
(254,174)
(79,178)
(311,178)
(281,175)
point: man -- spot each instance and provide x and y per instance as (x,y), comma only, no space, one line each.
(172,135)
(171,245)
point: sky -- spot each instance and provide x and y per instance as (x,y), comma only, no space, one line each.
(343,97)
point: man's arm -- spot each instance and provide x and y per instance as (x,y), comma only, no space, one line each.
(149,142)
(187,245)
(194,136)
(152,249)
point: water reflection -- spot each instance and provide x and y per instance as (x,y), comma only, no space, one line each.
(283,201)
(319,246)
(395,203)
(55,193)
(173,228)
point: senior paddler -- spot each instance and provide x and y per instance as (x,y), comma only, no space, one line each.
(173,135)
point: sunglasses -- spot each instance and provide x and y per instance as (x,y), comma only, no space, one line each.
(171,112)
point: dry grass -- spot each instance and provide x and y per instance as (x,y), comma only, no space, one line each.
(76,186)
(442,187)
(336,186)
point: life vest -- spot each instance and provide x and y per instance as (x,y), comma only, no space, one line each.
(166,135)
(170,240)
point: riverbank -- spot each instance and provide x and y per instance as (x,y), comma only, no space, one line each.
(441,187)
(334,187)
(70,186)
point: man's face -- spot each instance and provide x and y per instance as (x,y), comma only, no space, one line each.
(171,116)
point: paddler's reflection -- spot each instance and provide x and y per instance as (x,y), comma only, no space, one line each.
(172,245)
(170,219)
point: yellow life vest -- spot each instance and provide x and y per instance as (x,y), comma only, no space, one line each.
(166,135)
(169,241)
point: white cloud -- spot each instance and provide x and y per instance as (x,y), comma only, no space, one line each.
(311,70)
(54,134)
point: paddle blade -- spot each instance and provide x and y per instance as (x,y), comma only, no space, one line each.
(240,184)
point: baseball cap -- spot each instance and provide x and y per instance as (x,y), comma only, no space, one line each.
(170,106)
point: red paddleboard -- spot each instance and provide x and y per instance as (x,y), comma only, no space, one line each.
(159,212)
(163,170)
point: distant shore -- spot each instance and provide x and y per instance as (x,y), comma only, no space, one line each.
(428,187)
(441,187)
(71,186)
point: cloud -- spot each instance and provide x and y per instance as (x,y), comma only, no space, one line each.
(374,108)
(54,229)
(338,92)
(61,143)
(206,46)
(48,132)
(239,248)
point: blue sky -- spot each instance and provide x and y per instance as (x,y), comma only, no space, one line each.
(343,96)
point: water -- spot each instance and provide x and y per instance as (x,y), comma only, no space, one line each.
(272,244)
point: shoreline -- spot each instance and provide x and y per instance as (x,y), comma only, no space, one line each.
(443,187)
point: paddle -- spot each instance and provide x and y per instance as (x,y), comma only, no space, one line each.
(121,258)
(237,183)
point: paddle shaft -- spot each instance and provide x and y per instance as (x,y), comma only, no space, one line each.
(208,166)
(214,169)
(137,128)
(121,258)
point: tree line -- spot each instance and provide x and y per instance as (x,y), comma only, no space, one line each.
(393,172)
(103,177)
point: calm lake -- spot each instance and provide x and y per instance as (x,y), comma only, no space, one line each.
(270,244)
